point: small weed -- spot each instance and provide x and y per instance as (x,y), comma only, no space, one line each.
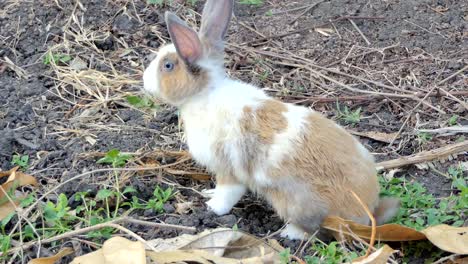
(156,2)
(285,256)
(331,253)
(5,244)
(423,211)
(20,160)
(141,102)
(251,2)
(264,76)
(424,137)
(58,215)
(56,58)
(115,158)
(160,197)
(453,120)
(350,117)
(269,13)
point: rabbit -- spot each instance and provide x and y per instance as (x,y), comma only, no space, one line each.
(302,163)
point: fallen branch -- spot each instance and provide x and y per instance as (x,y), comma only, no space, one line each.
(424,156)
(446,131)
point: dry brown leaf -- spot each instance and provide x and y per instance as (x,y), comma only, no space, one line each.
(448,238)
(51,260)
(116,250)
(183,208)
(15,179)
(462,260)
(221,245)
(8,172)
(203,257)
(7,208)
(388,232)
(380,256)
(378,136)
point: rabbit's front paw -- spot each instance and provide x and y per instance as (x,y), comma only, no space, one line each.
(218,206)
(293,232)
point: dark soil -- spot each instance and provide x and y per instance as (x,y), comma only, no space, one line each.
(55,124)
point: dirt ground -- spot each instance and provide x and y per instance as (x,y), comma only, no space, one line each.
(401,61)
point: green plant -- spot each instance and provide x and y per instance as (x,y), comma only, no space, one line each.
(285,256)
(160,197)
(350,117)
(420,209)
(141,102)
(269,13)
(5,244)
(115,158)
(156,2)
(251,2)
(20,160)
(332,253)
(50,57)
(58,215)
(453,120)
(424,137)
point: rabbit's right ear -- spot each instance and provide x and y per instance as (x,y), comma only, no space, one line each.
(215,21)
(185,39)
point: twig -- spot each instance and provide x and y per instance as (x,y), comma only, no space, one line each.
(444,259)
(80,231)
(158,225)
(308,28)
(53,189)
(453,75)
(446,130)
(374,223)
(114,224)
(360,32)
(424,156)
(306,11)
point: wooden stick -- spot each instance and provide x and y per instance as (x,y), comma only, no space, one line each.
(424,156)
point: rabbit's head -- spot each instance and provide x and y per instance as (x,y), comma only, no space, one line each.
(190,64)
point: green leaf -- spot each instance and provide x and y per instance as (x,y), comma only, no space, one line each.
(133,100)
(103,194)
(129,189)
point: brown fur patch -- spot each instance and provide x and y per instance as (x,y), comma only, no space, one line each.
(264,123)
(181,82)
(259,128)
(329,162)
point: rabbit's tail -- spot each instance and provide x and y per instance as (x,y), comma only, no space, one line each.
(388,207)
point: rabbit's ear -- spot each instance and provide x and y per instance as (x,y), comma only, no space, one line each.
(185,39)
(215,21)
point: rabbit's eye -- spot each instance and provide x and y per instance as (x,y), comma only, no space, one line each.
(168,66)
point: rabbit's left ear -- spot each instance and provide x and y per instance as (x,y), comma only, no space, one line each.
(185,39)
(215,20)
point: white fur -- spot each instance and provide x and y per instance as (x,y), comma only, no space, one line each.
(225,197)
(151,74)
(293,232)
(214,116)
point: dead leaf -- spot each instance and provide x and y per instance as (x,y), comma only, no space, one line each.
(7,208)
(462,260)
(221,245)
(116,250)
(387,232)
(448,238)
(15,179)
(380,256)
(183,208)
(51,260)
(378,136)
